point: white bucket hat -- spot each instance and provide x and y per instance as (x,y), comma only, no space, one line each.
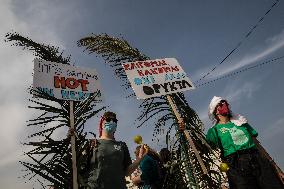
(214,102)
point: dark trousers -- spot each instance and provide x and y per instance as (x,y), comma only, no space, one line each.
(248,170)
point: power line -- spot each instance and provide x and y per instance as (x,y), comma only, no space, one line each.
(240,71)
(240,43)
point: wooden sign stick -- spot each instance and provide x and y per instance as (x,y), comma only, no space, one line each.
(73,147)
(186,133)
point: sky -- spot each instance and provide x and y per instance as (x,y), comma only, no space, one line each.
(199,34)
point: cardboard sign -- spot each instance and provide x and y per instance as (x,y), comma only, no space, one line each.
(64,81)
(158,77)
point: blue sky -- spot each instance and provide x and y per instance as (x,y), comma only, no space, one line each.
(199,34)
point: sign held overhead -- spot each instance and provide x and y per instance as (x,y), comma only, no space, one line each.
(158,77)
(64,81)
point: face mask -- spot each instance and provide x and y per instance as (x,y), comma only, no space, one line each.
(223,109)
(110,127)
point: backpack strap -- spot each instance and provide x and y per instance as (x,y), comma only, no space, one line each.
(127,160)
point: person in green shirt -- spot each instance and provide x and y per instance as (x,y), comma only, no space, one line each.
(235,138)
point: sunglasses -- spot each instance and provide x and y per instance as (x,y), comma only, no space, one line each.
(223,102)
(109,119)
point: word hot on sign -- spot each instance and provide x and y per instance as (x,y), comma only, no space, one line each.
(71,83)
(158,77)
(64,81)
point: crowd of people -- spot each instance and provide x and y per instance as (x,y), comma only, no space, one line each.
(110,161)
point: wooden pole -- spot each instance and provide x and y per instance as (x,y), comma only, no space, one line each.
(186,133)
(74,161)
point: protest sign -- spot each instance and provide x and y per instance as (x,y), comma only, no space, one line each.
(158,77)
(65,82)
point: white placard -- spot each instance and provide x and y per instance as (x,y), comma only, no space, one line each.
(64,81)
(158,77)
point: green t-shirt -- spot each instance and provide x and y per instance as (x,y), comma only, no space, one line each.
(231,137)
(108,165)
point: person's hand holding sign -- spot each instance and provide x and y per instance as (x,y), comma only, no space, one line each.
(181,126)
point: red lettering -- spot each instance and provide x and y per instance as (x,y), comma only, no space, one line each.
(140,72)
(167,69)
(154,63)
(84,84)
(132,66)
(72,85)
(175,68)
(59,82)
(147,72)
(126,66)
(160,70)
(154,71)
(164,63)
(147,64)
(140,64)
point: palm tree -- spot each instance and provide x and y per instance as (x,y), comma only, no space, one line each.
(50,157)
(158,111)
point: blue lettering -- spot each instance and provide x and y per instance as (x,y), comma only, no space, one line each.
(137,81)
(169,77)
(81,95)
(65,94)
(74,95)
(144,80)
(172,76)
(47,91)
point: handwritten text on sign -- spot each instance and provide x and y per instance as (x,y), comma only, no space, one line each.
(158,77)
(64,81)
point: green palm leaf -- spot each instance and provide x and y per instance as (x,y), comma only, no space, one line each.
(157,110)
(50,157)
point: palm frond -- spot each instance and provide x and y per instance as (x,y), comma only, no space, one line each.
(157,111)
(45,52)
(50,157)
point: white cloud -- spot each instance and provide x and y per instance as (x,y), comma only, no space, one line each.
(273,130)
(270,46)
(237,91)
(16,76)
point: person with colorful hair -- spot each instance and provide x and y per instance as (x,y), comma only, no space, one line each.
(109,160)
(235,138)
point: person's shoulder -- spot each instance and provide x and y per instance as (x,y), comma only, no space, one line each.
(213,128)
(146,159)
(245,125)
(222,125)
(210,130)
(106,142)
(149,158)
(121,143)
